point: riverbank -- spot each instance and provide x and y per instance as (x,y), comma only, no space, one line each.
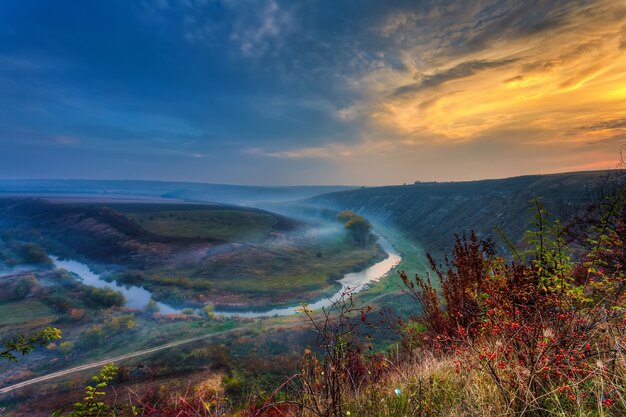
(138,297)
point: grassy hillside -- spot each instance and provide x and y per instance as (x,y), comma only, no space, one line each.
(187,253)
(204,221)
(431,213)
(212,224)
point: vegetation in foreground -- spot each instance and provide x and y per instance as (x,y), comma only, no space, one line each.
(541,333)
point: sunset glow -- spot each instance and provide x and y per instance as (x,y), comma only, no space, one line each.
(221,92)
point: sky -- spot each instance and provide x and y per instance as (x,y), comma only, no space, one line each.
(273,92)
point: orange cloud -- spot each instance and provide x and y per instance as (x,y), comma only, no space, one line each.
(482,96)
(550,83)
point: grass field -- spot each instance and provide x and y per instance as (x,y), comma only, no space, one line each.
(227,225)
(263,275)
(389,290)
(263,254)
(24,311)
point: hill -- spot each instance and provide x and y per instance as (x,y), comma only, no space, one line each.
(431,213)
(106,233)
(188,191)
(185,253)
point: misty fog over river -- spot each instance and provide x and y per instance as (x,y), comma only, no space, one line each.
(138,297)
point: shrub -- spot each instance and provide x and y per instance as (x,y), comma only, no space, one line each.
(77,314)
(111,325)
(337,370)
(24,285)
(31,253)
(152,307)
(544,328)
(209,310)
(66,347)
(105,297)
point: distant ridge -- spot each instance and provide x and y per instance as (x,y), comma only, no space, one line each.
(187,191)
(433,212)
(430,213)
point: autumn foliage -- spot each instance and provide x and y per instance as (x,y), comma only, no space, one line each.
(535,329)
(546,329)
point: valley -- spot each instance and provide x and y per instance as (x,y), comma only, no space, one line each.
(122,277)
(431,213)
(191,289)
(189,255)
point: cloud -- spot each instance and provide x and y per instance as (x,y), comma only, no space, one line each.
(338,151)
(501,66)
(370,88)
(65,140)
(255,27)
(256,32)
(319,152)
(462,70)
(619,123)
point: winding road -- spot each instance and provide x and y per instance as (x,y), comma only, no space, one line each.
(103,362)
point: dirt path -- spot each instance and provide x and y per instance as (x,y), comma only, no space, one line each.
(103,362)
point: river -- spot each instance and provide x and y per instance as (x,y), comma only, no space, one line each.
(138,297)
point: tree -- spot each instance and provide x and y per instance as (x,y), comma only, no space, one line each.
(106,297)
(357,226)
(91,406)
(25,345)
(24,285)
(152,307)
(209,310)
(34,254)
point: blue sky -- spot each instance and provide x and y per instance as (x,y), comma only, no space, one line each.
(309,92)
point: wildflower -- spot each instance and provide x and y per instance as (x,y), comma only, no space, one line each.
(397,391)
